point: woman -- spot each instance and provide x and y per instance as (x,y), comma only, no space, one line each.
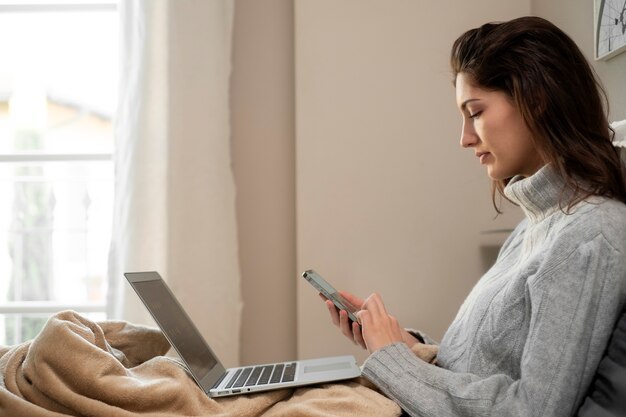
(528,339)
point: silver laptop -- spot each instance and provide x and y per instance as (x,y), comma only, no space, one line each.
(207,369)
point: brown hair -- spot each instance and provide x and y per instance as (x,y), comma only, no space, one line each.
(558,94)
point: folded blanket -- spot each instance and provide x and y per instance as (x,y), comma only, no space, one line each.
(76,367)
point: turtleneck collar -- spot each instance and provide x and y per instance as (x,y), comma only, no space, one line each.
(539,195)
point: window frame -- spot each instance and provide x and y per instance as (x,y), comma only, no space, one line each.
(49,307)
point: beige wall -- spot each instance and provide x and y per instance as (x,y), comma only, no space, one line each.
(351,164)
(262,114)
(387,201)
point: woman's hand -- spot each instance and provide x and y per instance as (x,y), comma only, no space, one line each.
(379,328)
(350,329)
(376,318)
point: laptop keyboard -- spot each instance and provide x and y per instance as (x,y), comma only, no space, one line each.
(262,375)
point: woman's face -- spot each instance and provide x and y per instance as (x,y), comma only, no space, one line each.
(494,128)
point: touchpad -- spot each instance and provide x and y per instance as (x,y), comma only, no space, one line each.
(335,366)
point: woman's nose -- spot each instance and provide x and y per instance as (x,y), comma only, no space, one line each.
(468,136)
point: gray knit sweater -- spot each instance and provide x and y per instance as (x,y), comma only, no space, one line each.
(528,338)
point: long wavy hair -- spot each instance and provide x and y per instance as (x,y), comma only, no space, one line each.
(559,96)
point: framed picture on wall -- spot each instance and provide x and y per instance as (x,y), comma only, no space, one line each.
(609,28)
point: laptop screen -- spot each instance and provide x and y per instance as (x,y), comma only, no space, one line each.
(175,323)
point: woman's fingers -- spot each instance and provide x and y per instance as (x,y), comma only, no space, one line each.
(379,327)
(374,304)
(358,335)
(340,319)
(334,314)
(352,299)
(345,326)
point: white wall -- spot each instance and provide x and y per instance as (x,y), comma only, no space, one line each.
(387,201)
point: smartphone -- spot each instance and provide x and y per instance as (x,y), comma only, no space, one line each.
(331,293)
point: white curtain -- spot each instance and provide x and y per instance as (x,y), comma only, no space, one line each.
(175,198)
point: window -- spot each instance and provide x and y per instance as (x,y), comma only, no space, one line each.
(58,83)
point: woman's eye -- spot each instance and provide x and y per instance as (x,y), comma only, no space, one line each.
(475,115)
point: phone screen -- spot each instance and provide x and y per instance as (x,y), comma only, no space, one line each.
(331,293)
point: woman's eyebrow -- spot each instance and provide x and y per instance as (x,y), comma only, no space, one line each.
(464,104)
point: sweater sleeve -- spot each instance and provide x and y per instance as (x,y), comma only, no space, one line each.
(574,302)
(422,337)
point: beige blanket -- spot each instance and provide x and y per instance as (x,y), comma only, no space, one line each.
(76,367)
